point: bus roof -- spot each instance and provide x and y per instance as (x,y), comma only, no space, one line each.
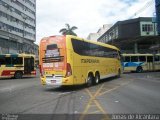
(90,41)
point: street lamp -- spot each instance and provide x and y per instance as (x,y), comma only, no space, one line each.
(154,23)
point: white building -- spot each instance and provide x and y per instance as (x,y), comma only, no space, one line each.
(101,31)
(93,36)
(17,26)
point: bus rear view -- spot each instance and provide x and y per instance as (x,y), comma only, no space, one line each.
(71,60)
(53,63)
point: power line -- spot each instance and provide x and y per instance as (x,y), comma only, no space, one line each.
(148,4)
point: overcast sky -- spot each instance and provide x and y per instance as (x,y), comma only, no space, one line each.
(87,15)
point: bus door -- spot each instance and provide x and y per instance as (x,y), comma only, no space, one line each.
(150,65)
(28,65)
(157,62)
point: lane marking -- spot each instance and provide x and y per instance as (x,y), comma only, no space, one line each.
(97,111)
(92,105)
(91,98)
(118,86)
(97,104)
(123,84)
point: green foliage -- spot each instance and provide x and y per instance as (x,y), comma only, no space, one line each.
(68,30)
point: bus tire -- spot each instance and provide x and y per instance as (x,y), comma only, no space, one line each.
(18,75)
(97,78)
(139,69)
(89,80)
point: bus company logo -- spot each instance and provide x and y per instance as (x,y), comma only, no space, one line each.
(89,61)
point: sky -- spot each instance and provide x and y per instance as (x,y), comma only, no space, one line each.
(87,15)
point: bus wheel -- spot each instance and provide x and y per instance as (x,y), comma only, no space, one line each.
(139,69)
(18,75)
(97,78)
(89,80)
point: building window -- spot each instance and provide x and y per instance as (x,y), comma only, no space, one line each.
(111,35)
(116,32)
(147,27)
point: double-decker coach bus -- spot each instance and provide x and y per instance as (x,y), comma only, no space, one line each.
(141,62)
(70,60)
(17,65)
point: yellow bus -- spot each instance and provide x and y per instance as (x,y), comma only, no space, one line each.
(17,65)
(141,62)
(70,60)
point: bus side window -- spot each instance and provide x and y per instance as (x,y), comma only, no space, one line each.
(2,61)
(142,58)
(17,60)
(115,54)
(126,58)
(149,58)
(8,60)
(157,58)
(134,58)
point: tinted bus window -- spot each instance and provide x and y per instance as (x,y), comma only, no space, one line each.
(8,61)
(2,61)
(17,60)
(127,59)
(142,58)
(149,58)
(134,58)
(157,58)
(90,49)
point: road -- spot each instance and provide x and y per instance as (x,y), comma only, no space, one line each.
(132,93)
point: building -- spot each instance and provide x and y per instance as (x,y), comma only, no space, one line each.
(93,36)
(17,26)
(104,28)
(158,14)
(101,31)
(137,35)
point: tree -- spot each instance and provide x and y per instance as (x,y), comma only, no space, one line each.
(68,30)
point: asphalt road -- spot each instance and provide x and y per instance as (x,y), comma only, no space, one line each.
(132,93)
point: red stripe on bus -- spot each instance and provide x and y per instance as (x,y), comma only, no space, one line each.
(33,72)
(7,72)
